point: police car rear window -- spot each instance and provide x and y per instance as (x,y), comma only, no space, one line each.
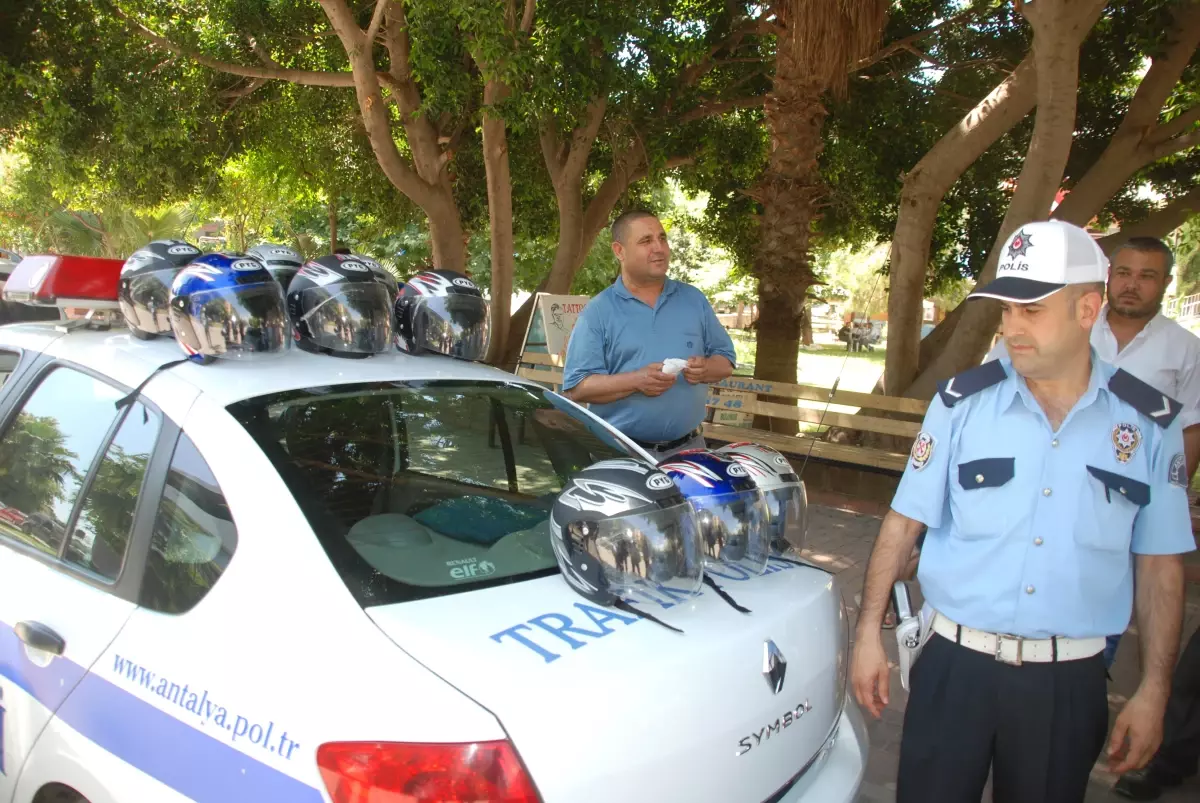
(422,489)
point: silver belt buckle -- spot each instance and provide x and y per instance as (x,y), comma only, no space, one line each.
(1000,637)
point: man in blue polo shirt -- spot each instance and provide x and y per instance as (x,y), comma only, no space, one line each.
(615,360)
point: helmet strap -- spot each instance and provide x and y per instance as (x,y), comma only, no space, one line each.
(130,397)
(625,607)
(720,592)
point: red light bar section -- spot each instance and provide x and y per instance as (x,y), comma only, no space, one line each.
(53,280)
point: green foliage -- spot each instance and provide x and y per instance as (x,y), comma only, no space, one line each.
(34,464)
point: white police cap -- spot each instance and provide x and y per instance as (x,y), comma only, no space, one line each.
(1039,259)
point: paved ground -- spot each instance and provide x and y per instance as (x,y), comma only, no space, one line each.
(841,540)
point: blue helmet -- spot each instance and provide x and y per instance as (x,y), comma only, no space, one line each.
(730,510)
(227,305)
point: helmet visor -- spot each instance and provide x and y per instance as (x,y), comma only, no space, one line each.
(143,301)
(455,325)
(283,274)
(787,509)
(248,323)
(660,547)
(354,318)
(734,528)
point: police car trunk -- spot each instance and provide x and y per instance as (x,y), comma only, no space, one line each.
(431,498)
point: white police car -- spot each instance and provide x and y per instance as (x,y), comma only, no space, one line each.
(314,579)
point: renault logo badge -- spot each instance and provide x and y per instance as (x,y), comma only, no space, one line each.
(774,666)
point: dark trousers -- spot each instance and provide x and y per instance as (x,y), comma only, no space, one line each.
(1040,727)
(1180,751)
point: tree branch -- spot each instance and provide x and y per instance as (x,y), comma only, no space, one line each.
(906,43)
(527,16)
(582,139)
(715,108)
(395,39)
(305,77)
(376,21)
(757,25)
(1175,145)
(1176,126)
(1165,70)
(1158,223)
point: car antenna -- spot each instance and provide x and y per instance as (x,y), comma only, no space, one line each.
(838,379)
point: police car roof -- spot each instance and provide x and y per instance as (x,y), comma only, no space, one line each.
(119,355)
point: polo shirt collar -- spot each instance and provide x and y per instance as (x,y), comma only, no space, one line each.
(669,288)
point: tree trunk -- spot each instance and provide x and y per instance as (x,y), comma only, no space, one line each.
(788,192)
(1056,55)
(331,210)
(740,309)
(500,215)
(806,334)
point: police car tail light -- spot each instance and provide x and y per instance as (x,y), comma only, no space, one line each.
(358,772)
(53,280)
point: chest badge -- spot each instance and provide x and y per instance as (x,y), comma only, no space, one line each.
(1126,439)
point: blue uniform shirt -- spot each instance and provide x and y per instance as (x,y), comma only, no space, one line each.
(1032,532)
(617,333)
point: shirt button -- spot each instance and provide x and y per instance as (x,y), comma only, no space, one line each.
(1038,541)
(1029,589)
(1046,492)
(1054,443)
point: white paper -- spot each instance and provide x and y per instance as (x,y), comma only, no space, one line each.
(673,365)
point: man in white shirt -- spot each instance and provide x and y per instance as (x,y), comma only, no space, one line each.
(1133,334)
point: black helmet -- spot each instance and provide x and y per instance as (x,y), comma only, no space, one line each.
(281,262)
(340,306)
(619,523)
(382,274)
(442,311)
(144,288)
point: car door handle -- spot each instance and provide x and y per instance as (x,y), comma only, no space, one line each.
(40,637)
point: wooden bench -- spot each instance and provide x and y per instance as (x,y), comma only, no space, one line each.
(842,411)
(740,395)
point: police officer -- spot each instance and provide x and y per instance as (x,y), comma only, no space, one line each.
(1049,481)
(615,359)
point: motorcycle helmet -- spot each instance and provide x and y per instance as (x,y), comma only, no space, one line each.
(730,510)
(144,289)
(382,274)
(280,261)
(442,311)
(227,305)
(787,501)
(620,523)
(340,307)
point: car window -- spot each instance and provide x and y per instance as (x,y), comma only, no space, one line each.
(46,452)
(194,535)
(423,489)
(8,364)
(102,529)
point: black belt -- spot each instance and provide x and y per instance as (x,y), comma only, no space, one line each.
(662,446)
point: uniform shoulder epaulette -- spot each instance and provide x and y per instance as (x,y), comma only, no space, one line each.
(970,382)
(1144,398)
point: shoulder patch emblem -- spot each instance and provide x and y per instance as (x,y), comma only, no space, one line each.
(1154,404)
(1126,439)
(970,382)
(1177,474)
(922,450)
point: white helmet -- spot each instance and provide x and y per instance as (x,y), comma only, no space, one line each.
(786,498)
